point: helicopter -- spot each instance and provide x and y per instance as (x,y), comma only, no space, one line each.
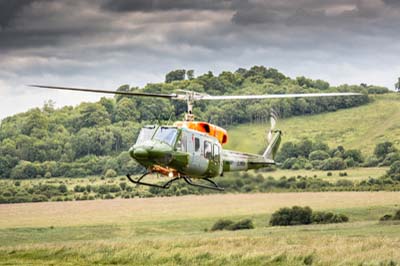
(190,149)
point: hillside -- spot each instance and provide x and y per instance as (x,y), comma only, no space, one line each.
(355,128)
(91,138)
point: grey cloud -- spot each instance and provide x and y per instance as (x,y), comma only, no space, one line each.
(87,43)
(10,9)
(155,5)
(392,3)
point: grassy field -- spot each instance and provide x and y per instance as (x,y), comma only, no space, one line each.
(354,174)
(171,231)
(361,127)
(174,230)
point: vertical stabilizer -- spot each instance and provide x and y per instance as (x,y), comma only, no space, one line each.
(273,138)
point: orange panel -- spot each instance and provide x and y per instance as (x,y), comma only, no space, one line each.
(212,130)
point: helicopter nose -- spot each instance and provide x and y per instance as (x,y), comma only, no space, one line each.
(140,153)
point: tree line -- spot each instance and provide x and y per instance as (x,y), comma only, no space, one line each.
(91,138)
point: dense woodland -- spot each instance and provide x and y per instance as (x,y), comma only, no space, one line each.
(93,138)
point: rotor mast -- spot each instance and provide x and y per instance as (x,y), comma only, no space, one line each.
(189,116)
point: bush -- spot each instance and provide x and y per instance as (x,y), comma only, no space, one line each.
(344,183)
(328,217)
(62,188)
(318,155)
(386,217)
(333,164)
(304,215)
(110,173)
(394,171)
(221,224)
(241,225)
(384,148)
(397,215)
(224,224)
(371,161)
(291,216)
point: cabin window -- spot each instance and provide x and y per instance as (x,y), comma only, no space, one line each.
(166,134)
(216,152)
(196,144)
(146,133)
(207,150)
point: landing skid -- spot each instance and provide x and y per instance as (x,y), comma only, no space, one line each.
(166,185)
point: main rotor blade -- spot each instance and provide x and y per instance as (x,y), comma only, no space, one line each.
(127,93)
(275,96)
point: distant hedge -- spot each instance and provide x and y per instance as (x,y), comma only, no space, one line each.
(390,217)
(304,215)
(224,224)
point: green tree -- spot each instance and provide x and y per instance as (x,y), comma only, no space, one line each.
(190,74)
(383,148)
(92,115)
(126,110)
(175,75)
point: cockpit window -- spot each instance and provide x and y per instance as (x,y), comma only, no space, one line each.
(166,134)
(145,134)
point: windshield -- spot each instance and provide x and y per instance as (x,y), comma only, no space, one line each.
(145,134)
(166,134)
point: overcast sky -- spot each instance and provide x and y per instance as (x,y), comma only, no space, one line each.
(106,43)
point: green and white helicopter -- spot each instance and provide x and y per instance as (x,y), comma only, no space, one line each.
(190,149)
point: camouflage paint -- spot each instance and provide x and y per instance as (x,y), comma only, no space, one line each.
(194,164)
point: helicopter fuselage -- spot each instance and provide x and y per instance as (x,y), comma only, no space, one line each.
(181,151)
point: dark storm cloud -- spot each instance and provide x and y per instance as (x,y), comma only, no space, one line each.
(105,43)
(155,5)
(10,9)
(392,3)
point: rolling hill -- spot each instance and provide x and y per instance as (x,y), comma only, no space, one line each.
(360,127)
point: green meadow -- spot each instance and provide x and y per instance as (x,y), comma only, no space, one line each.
(175,231)
(354,128)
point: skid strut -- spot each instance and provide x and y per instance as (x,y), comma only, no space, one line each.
(139,182)
(166,185)
(213,186)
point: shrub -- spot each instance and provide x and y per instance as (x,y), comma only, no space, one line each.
(318,155)
(397,215)
(47,175)
(108,196)
(122,185)
(224,224)
(394,171)
(344,183)
(288,163)
(371,161)
(384,148)
(241,225)
(386,217)
(110,173)
(79,188)
(355,155)
(291,216)
(62,188)
(333,164)
(221,224)
(390,158)
(328,217)
(304,215)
